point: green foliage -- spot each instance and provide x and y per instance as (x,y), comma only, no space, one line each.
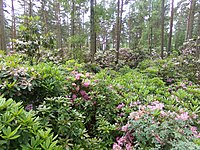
(173,68)
(31,41)
(153,127)
(30,84)
(20,129)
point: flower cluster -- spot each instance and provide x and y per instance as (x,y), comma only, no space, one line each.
(147,123)
(80,85)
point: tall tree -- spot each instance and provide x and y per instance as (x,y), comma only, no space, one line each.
(162,28)
(58,25)
(2,28)
(190,20)
(13,24)
(118,29)
(92,31)
(171,26)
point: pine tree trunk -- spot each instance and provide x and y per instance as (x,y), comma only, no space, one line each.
(190,20)
(92,32)
(119,24)
(2,28)
(13,24)
(150,27)
(73,27)
(171,26)
(162,29)
(58,26)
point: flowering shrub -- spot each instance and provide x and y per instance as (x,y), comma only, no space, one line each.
(151,126)
(30,84)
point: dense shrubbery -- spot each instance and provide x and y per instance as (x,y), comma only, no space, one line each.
(20,129)
(126,57)
(30,84)
(152,126)
(154,106)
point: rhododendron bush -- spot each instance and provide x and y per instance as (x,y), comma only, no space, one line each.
(152,126)
(150,107)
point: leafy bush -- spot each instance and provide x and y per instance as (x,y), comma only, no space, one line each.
(86,115)
(183,67)
(20,129)
(30,84)
(151,126)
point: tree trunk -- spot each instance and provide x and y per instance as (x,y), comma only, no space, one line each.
(190,20)
(13,24)
(162,28)
(119,24)
(171,26)
(30,8)
(58,26)
(92,32)
(73,27)
(2,28)
(150,27)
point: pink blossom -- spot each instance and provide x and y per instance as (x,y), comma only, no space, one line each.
(116,147)
(194,129)
(197,136)
(86,97)
(121,140)
(121,114)
(163,114)
(158,139)
(184,116)
(74,96)
(86,84)
(125,128)
(83,92)
(78,76)
(156,105)
(87,74)
(120,106)
(95,81)
(128,146)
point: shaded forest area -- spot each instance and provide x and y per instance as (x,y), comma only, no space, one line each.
(100,74)
(150,26)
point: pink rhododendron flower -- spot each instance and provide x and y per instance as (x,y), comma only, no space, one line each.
(163,114)
(83,92)
(78,76)
(86,84)
(86,97)
(120,106)
(184,116)
(156,105)
(74,96)
(121,140)
(195,132)
(122,114)
(116,147)
(125,128)
(87,74)
(158,139)
(128,146)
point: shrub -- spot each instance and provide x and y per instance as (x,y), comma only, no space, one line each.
(30,84)
(20,129)
(151,126)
